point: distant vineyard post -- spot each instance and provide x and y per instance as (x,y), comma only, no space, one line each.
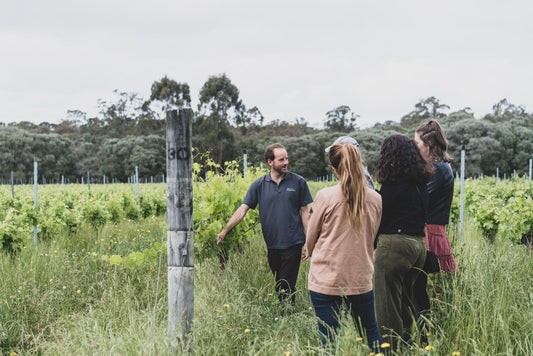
(13,186)
(35,182)
(530,164)
(180,234)
(462,202)
(137,183)
(244,161)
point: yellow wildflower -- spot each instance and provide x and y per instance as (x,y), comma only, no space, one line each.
(385,345)
(456,353)
(78,291)
(287,353)
(429,348)
(359,339)
(226,305)
(246,330)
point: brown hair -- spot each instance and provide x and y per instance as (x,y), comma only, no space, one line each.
(434,138)
(346,160)
(400,159)
(269,152)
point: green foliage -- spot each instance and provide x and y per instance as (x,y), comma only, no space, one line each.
(12,232)
(503,110)
(119,157)
(18,148)
(215,201)
(68,209)
(501,210)
(341,119)
(170,93)
(134,259)
(424,110)
(62,298)
(95,214)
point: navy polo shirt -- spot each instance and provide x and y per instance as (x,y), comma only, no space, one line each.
(279,208)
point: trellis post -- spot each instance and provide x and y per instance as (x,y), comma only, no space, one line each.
(12,186)
(244,161)
(180,234)
(35,183)
(530,164)
(462,202)
(137,183)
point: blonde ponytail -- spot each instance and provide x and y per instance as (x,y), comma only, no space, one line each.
(346,160)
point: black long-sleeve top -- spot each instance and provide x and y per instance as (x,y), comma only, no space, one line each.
(440,194)
(404,208)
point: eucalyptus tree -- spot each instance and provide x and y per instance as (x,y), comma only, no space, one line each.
(219,106)
(168,94)
(425,109)
(341,119)
(503,110)
(121,115)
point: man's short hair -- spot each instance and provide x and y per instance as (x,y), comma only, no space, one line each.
(269,152)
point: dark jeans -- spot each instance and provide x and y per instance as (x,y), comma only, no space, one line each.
(361,308)
(398,261)
(285,265)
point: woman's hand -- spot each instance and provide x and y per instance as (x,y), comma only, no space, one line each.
(305,253)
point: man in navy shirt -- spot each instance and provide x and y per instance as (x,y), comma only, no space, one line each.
(282,197)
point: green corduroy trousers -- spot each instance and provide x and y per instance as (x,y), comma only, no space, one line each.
(398,261)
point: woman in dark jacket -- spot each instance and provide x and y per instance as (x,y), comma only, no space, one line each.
(401,251)
(433,145)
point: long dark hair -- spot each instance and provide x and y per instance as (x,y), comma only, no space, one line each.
(346,160)
(400,159)
(434,138)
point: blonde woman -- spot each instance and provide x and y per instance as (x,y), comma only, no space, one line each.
(342,226)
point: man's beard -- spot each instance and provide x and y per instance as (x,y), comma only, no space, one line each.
(279,169)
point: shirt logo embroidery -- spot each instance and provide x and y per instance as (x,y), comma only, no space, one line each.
(291,189)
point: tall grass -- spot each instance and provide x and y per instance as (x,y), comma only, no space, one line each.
(61,298)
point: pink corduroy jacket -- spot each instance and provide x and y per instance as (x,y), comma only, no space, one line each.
(341,255)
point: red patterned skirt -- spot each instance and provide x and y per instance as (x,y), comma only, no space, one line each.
(437,241)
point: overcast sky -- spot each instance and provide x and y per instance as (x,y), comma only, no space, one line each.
(289,58)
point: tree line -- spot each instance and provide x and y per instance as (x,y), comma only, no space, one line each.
(129,132)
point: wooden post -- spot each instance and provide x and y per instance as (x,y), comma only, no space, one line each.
(180,234)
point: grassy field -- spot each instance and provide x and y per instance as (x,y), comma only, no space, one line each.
(62,298)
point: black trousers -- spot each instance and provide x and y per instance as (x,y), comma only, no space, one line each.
(285,265)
